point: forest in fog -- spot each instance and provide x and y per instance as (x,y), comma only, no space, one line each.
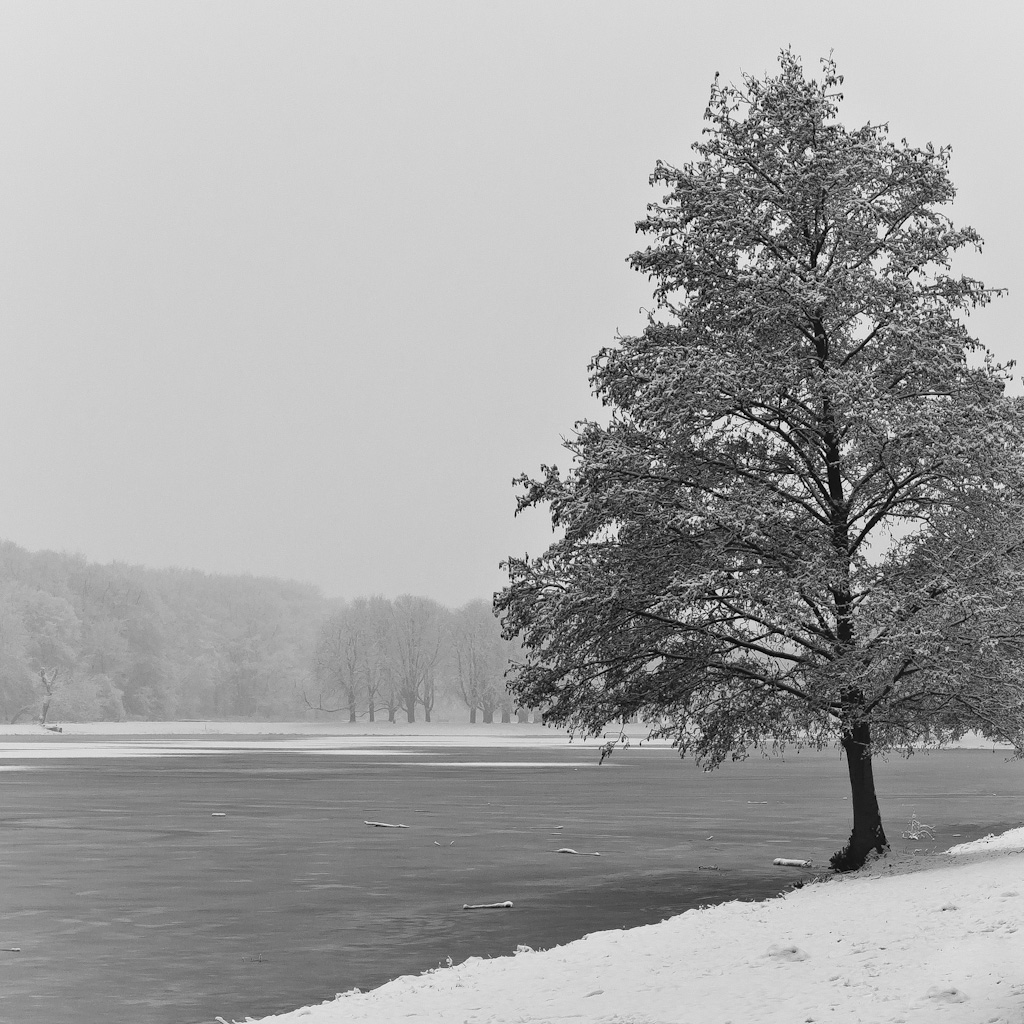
(80,641)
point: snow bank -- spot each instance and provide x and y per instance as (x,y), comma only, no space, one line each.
(1009,842)
(905,940)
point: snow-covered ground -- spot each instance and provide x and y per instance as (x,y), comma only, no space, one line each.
(325,727)
(904,940)
(170,739)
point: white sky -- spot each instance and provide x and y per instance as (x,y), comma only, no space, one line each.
(297,288)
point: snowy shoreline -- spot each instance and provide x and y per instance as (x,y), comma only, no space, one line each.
(903,940)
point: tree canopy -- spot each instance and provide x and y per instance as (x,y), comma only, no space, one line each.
(801,520)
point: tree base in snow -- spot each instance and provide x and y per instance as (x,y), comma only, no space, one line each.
(853,855)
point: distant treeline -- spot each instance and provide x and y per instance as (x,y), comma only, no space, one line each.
(81,641)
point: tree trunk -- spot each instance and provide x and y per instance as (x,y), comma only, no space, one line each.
(488,717)
(426,713)
(391,714)
(351,707)
(372,712)
(506,717)
(867,834)
(472,716)
(48,682)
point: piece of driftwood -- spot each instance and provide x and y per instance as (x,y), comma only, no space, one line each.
(507,905)
(788,862)
(576,853)
(383,824)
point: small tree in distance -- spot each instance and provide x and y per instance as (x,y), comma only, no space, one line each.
(803,519)
(342,657)
(415,647)
(480,656)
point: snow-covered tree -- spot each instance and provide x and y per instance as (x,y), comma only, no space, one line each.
(802,519)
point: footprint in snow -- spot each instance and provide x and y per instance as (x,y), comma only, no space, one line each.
(788,954)
(949,994)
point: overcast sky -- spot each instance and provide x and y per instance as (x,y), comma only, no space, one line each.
(296,289)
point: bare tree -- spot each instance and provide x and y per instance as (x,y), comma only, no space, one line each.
(52,636)
(416,647)
(337,662)
(480,655)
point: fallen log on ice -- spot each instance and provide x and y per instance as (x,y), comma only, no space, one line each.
(383,824)
(576,853)
(786,862)
(507,905)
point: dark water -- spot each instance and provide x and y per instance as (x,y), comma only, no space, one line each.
(132,903)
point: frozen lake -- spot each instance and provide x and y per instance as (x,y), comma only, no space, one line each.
(165,880)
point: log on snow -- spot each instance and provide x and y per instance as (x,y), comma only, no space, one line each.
(383,824)
(786,862)
(507,905)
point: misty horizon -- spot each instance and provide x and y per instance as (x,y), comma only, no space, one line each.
(298,291)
